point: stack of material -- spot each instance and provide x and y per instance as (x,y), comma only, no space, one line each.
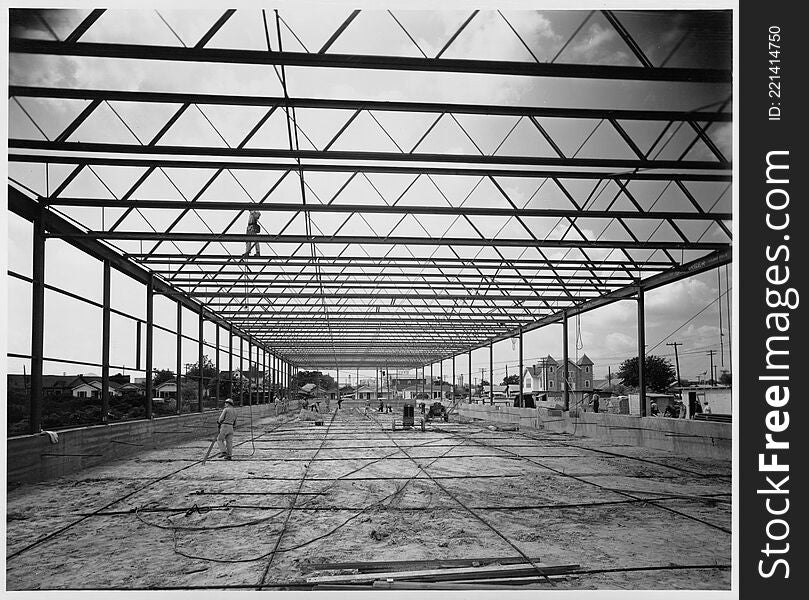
(309,415)
(446,574)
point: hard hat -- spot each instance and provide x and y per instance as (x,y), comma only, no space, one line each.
(228,401)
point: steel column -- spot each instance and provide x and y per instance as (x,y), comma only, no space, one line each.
(105,344)
(149,346)
(453,379)
(179,358)
(37,322)
(521,402)
(641,352)
(272,377)
(138,337)
(470,376)
(230,362)
(201,382)
(565,360)
(218,371)
(432,381)
(241,371)
(249,372)
(441,377)
(491,373)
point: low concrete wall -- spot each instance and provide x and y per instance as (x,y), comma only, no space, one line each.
(700,439)
(33,458)
(524,417)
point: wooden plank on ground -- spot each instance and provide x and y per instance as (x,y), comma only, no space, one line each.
(471,573)
(414,565)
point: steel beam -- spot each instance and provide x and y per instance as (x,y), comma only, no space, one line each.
(354,61)
(399,262)
(29,209)
(695,267)
(380,279)
(369,105)
(388,240)
(58,147)
(403,209)
(255,165)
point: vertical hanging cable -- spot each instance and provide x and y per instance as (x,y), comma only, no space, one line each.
(292,133)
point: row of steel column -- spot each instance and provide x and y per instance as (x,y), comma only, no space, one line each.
(285,371)
(565,359)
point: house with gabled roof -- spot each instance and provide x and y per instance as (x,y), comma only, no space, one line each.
(548,376)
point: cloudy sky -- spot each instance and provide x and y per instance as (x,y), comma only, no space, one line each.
(687,311)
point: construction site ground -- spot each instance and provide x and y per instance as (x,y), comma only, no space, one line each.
(353,489)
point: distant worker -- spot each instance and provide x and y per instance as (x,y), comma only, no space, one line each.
(253,228)
(595,403)
(707,408)
(226,421)
(339,403)
(653,411)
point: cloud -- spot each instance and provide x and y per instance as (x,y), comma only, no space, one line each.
(598,46)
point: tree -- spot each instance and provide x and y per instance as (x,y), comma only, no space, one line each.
(511,380)
(726,378)
(210,375)
(162,376)
(208,369)
(324,381)
(657,373)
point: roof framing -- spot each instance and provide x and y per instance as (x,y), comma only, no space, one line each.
(388,297)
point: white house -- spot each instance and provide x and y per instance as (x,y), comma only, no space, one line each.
(91,388)
(167,389)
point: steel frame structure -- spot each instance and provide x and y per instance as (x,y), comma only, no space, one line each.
(327,299)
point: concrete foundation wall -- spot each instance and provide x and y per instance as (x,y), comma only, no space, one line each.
(524,417)
(33,458)
(699,439)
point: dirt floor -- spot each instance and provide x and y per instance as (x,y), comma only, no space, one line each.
(355,490)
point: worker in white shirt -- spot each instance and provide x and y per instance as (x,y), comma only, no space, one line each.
(226,421)
(253,228)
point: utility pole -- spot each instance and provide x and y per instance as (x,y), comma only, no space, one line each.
(609,376)
(676,359)
(711,353)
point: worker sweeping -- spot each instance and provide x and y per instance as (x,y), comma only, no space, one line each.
(226,421)
(253,228)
